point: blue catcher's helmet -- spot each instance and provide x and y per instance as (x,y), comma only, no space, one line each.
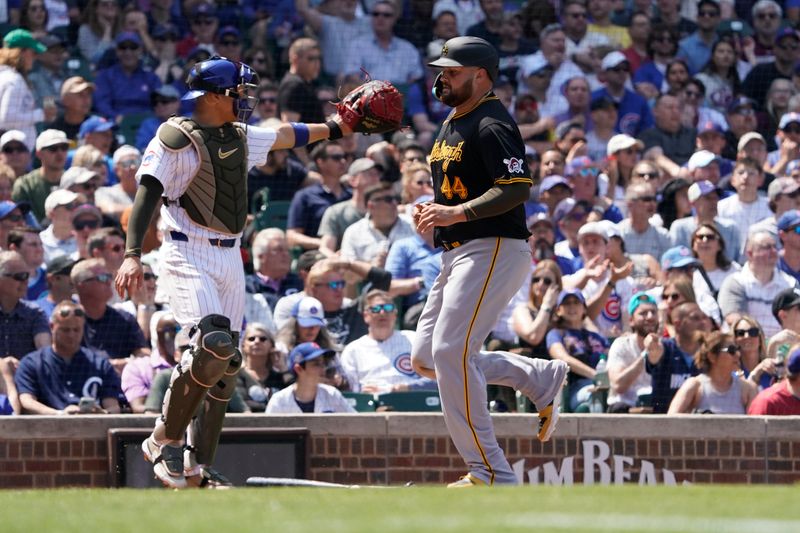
(219,75)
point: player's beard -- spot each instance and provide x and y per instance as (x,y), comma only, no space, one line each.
(455,97)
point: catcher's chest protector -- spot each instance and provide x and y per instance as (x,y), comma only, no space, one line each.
(217,195)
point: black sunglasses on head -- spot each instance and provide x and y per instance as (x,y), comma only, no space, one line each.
(18,276)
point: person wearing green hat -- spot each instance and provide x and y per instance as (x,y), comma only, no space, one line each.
(17,106)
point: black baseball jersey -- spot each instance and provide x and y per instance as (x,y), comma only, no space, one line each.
(474,152)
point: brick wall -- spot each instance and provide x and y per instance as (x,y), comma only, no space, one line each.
(395,448)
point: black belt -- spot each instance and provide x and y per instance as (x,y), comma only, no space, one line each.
(222,243)
(453,245)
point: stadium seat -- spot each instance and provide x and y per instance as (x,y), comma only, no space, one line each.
(410,401)
(130,125)
(360,401)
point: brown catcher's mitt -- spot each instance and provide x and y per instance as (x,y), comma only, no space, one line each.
(373,107)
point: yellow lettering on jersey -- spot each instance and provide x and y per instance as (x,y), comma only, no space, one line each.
(443,152)
(456,188)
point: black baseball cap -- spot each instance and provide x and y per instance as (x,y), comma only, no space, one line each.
(61,265)
(785,299)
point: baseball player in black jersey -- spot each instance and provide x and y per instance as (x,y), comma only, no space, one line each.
(480,181)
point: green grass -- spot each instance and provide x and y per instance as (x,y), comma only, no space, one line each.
(750,509)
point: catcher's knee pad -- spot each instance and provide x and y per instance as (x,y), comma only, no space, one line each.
(209,361)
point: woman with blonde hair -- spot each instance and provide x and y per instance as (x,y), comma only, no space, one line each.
(18,109)
(757,367)
(718,389)
(415,182)
(532,320)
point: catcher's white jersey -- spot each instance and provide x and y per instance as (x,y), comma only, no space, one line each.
(328,400)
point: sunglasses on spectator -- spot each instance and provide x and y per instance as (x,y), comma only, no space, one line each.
(692,94)
(83,224)
(620,68)
(581,15)
(268,100)
(767,15)
(18,276)
(100,278)
(730,350)
(750,332)
(422,183)
(64,312)
(148,276)
(546,281)
(419,158)
(333,285)
(706,237)
(117,248)
(134,163)
(647,199)
(630,151)
(57,148)
(384,14)
(15,149)
(336,157)
(89,186)
(259,60)
(708,13)
(262,338)
(795,229)
(578,216)
(647,175)
(588,172)
(671,297)
(382,308)
(386,199)
(14,218)
(128,47)
(229,43)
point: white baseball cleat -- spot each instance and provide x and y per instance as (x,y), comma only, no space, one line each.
(167,463)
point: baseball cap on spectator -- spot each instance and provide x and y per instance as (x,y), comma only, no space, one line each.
(204,10)
(678,257)
(87,209)
(737,103)
(793,362)
(535,64)
(95,124)
(20,38)
(709,126)
(197,52)
(786,32)
(162,31)
(361,164)
(502,81)
(611,229)
(788,219)
(75,85)
(602,103)
(638,299)
(701,159)
(563,208)
(593,228)
(565,127)
(168,92)
(308,312)
(7,206)
(622,141)
(538,218)
(747,137)
(789,118)
(792,166)
(780,186)
(306,352)
(613,59)
(58,198)
(128,37)
(531,152)
(126,150)
(76,176)
(52,40)
(573,168)
(570,292)
(12,136)
(553,181)
(785,300)
(228,30)
(700,188)
(50,138)
(61,265)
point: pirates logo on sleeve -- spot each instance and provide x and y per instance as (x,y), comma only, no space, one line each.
(514,165)
(402,363)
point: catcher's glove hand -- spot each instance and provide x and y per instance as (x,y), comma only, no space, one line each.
(373,107)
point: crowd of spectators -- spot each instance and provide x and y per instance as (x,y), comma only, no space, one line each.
(663,138)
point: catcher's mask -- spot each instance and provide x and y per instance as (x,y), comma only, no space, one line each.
(219,75)
(466,52)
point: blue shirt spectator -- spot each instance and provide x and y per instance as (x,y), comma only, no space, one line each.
(309,204)
(23,326)
(412,257)
(116,333)
(674,367)
(633,113)
(125,88)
